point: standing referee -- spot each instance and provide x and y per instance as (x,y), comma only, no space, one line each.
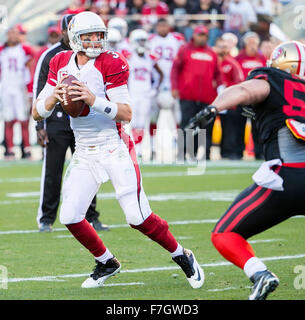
(55,136)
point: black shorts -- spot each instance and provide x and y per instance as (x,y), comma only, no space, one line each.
(257,209)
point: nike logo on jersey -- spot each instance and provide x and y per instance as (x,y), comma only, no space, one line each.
(124,67)
(111,151)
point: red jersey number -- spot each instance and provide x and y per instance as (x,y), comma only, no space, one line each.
(294,93)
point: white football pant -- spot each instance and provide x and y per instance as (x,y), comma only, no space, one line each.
(89,168)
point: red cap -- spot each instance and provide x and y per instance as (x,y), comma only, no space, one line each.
(201,29)
(54,29)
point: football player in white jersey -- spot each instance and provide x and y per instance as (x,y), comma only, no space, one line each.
(121,25)
(165,45)
(103,149)
(141,66)
(15,58)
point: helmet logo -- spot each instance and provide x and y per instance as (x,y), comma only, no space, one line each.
(277,53)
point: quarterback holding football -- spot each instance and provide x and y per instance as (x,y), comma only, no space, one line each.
(103,149)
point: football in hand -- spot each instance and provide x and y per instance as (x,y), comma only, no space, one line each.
(72,108)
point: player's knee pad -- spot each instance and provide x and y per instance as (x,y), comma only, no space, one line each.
(70,213)
(154,227)
(136,209)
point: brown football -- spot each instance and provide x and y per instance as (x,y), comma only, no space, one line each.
(72,108)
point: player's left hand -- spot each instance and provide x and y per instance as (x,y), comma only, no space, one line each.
(82,92)
(203,118)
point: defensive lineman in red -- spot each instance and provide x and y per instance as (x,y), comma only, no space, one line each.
(103,149)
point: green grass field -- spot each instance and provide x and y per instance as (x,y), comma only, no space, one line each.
(53,265)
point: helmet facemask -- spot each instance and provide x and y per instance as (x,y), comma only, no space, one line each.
(94,48)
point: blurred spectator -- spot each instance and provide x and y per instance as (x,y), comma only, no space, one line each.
(165,45)
(121,25)
(15,58)
(215,26)
(54,35)
(195,76)
(134,7)
(104,9)
(151,11)
(266,48)
(240,15)
(262,6)
(232,42)
(113,39)
(250,58)
(76,6)
(262,27)
(180,7)
(231,74)
(141,66)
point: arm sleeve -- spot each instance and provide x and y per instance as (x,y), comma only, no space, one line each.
(41,75)
(119,94)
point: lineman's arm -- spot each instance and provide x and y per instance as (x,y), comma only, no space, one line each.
(246,93)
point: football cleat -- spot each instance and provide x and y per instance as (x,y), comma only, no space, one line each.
(264,283)
(101,273)
(99,226)
(191,268)
(45,227)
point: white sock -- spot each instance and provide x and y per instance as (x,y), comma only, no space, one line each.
(104,257)
(253,265)
(177,252)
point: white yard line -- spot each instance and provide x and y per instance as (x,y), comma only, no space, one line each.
(152,269)
(221,195)
(113,226)
(146,175)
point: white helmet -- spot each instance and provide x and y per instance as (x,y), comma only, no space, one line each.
(138,39)
(119,24)
(86,22)
(114,37)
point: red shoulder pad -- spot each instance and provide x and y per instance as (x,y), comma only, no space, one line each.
(60,60)
(151,36)
(153,57)
(114,68)
(178,36)
(28,50)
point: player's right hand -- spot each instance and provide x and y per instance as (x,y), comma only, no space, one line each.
(42,137)
(203,118)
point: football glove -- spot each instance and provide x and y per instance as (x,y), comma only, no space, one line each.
(203,118)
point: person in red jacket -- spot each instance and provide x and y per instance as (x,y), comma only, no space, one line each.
(250,58)
(195,76)
(152,10)
(231,74)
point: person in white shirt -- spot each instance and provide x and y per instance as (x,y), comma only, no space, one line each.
(240,15)
(141,66)
(15,59)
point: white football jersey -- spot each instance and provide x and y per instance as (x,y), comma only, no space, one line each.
(165,48)
(14,72)
(140,78)
(108,70)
